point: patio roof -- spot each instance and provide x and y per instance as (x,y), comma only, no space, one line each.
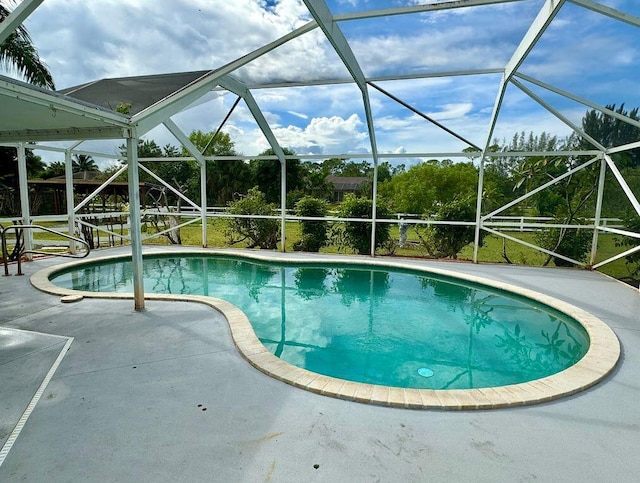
(32,114)
(138,91)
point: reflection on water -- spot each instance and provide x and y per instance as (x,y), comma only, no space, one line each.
(369,325)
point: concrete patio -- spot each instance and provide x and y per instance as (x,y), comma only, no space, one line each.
(163,395)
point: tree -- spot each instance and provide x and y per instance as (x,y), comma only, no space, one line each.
(225,178)
(357,235)
(424,186)
(611,131)
(9,185)
(54,169)
(82,162)
(258,232)
(315,180)
(446,241)
(9,164)
(266,174)
(632,262)
(184,176)
(17,52)
(314,233)
(352,168)
(567,201)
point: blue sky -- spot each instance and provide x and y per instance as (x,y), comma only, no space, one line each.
(583,52)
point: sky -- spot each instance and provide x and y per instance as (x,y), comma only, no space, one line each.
(583,52)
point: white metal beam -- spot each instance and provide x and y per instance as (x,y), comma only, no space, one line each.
(238,88)
(167,185)
(25,209)
(64,134)
(58,102)
(408,155)
(539,188)
(322,15)
(203,203)
(241,90)
(598,214)
(617,257)
(608,11)
(174,103)
(547,13)
(68,182)
(17,17)
(535,247)
(87,200)
(617,231)
(623,147)
(557,113)
(479,193)
(135,228)
(184,140)
(374,153)
(581,100)
(383,78)
(430,7)
(623,184)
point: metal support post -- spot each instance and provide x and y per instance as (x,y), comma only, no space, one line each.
(598,213)
(134,222)
(203,201)
(283,203)
(374,207)
(24,199)
(68,181)
(476,239)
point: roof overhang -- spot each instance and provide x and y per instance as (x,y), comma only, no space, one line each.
(30,114)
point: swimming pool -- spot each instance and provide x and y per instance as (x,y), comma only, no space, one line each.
(370,325)
(377,326)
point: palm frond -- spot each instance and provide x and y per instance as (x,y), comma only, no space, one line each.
(18,53)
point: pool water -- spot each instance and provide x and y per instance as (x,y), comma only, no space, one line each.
(368,324)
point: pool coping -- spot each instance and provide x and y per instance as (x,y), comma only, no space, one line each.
(600,359)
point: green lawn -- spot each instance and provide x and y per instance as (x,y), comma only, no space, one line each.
(491,252)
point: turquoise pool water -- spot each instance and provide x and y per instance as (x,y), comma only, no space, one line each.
(390,327)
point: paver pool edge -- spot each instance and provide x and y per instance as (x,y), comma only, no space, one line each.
(601,357)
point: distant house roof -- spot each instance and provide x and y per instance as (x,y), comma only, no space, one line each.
(347,183)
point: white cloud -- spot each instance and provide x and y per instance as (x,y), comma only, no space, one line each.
(333,134)
(587,54)
(451,111)
(83,41)
(298,114)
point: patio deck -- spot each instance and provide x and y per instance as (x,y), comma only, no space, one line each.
(163,395)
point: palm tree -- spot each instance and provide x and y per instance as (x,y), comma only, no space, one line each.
(18,52)
(82,162)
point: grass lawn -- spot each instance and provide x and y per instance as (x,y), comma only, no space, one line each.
(491,251)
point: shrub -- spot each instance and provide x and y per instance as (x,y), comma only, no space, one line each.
(258,232)
(314,233)
(632,262)
(574,244)
(357,235)
(446,241)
